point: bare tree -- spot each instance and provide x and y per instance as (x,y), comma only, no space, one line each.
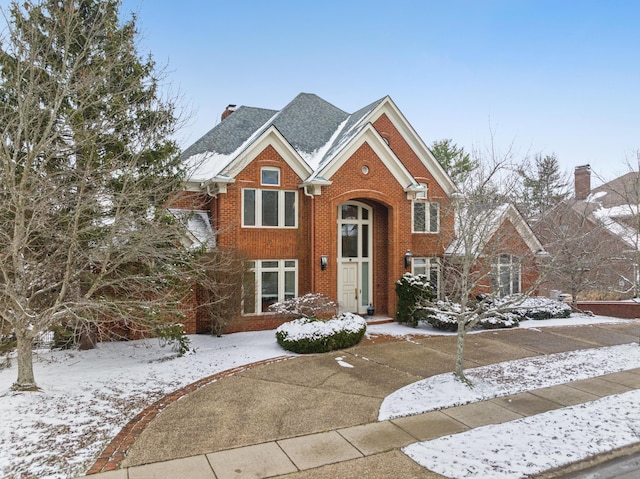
(220,290)
(621,212)
(86,167)
(488,258)
(581,248)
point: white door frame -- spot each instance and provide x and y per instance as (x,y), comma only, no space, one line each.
(361,257)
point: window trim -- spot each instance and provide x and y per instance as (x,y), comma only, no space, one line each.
(431,264)
(257,269)
(514,264)
(273,169)
(428,205)
(282,214)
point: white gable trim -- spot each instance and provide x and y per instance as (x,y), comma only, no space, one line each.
(270,137)
(523,229)
(388,107)
(370,136)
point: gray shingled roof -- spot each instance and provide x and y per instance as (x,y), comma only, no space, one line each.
(228,135)
(619,191)
(308,123)
(350,129)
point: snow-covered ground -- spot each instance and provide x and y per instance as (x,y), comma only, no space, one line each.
(517,449)
(88,396)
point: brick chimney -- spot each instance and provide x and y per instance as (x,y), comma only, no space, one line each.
(582,178)
(230,109)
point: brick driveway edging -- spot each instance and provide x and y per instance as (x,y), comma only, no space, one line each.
(115,452)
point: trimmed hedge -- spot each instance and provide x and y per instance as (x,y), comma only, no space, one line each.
(500,321)
(540,308)
(443,316)
(411,291)
(312,335)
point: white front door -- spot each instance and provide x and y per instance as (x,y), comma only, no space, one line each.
(354,257)
(349,296)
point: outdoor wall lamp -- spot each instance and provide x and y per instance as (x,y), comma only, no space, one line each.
(324,260)
(407,259)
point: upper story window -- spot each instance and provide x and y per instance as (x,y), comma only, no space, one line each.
(506,275)
(269,208)
(426,216)
(270,176)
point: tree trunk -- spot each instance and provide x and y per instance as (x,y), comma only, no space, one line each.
(459,372)
(26,380)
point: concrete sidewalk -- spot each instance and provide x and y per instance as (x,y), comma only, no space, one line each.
(310,417)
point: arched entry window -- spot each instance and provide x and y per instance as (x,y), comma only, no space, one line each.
(354,256)
(506,275)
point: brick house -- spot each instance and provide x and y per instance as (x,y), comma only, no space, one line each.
(600,252)
(321,201)
(504,254)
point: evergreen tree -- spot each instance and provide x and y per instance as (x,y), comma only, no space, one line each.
(544,187)
(456,162)
(86,166)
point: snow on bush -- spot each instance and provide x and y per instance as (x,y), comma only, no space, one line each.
(540,307)
(412,290)
(498,313)
(310,305)
(311,335)
(500,320)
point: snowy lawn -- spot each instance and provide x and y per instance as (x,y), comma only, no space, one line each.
(88,396)
(530,445)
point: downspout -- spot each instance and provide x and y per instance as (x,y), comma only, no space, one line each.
(313,236)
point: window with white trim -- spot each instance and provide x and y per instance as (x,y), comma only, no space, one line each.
(270,175)
(506,275)
(267,282)
(269,208)
(425,216)
(429,267)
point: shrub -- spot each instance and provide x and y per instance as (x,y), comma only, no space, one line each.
(173,335)
(501,312)
(412,290)
(500,320)
(444,316)
(310,305)
(312,335)
(539,308)
(64,337)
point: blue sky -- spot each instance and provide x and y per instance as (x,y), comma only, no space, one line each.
(548,76)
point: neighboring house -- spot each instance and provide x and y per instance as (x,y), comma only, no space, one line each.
(494,251)
(594,238)
(321,201)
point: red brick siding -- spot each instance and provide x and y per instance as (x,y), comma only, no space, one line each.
(616,309)
(391,233)
(509,241)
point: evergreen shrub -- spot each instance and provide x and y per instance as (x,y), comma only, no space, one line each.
(312,335)
(412,291)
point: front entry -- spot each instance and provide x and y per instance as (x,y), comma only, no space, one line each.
(354,257)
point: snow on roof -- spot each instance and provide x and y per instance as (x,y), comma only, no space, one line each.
(314,158)
(198,225)
(596,196)
(314,128)
(486,222)
(609,216)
